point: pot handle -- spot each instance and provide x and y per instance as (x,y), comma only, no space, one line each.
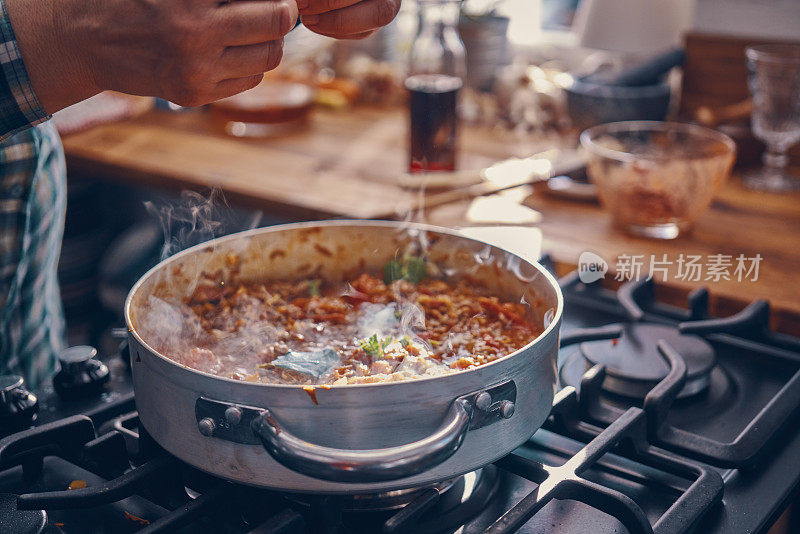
(376,465)
(370,465)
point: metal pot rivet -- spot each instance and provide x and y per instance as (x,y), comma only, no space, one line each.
(483,401)
(233,415)
(506,409)
(206,426)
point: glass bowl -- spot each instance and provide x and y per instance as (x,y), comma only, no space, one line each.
(657,178)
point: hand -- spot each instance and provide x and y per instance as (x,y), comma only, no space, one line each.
(190,52)
(347,19)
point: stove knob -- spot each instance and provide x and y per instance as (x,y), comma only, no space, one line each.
(82,374)
(18,406)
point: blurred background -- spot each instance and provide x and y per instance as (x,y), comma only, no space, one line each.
(326,135)
(646,152)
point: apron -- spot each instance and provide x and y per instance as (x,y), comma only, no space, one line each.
(32,208)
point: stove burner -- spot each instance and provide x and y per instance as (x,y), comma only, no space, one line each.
(82,374)
(396,499)
(634,365)
(18,406)
(13,521)
(442,507)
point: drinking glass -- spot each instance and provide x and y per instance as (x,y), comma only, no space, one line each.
(437,68)
(774,80)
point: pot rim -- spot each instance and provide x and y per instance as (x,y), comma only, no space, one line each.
(554,323)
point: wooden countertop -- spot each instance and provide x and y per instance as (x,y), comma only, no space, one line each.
(739,221)
(340,164)
(345,165)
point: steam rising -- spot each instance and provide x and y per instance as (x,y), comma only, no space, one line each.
(173,329)
(194,219)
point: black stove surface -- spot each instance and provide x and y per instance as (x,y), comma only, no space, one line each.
(719,458)
(743,424)
(748,376)
(163,490)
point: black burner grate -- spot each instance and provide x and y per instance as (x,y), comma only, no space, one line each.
(565,482)
(752,334)
(162,479)
(601,451)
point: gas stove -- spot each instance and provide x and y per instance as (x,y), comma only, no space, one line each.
(667,420)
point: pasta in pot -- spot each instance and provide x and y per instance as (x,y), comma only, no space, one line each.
(308,332)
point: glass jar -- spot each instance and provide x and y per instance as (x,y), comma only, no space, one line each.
(437,69)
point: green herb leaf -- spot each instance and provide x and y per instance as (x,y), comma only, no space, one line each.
(374,345)
(392,271)
(313,287)
(412,268)
(415,270)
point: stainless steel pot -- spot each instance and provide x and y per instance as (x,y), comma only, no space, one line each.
(360,438)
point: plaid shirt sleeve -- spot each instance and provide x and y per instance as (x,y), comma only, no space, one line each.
(19,107)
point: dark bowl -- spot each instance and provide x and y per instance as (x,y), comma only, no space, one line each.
(590,104)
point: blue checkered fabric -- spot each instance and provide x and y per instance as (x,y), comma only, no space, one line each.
(32,207)
(19,107)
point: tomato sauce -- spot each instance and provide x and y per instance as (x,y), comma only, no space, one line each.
(310,332)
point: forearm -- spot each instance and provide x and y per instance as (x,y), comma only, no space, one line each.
(48,36)
(190,52)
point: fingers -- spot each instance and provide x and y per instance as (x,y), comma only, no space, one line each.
(353,20)
(244,23)
(234,86)
(192,96)
(248,60)
(231,52)
(313,7)
(358,36)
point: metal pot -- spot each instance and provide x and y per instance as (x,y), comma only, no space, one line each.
(362,438)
